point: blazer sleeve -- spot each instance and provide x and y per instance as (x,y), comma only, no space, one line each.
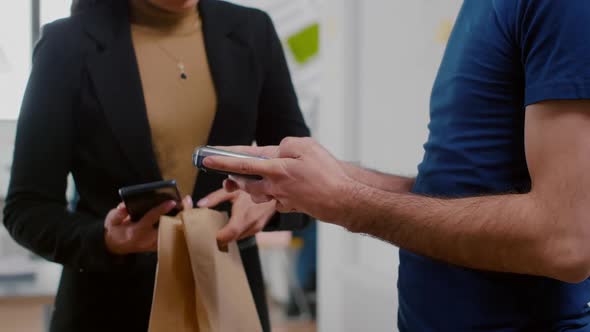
(36,213)
(279,115)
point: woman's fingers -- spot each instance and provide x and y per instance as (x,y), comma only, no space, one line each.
(261,199)
(187,203)
(253,230)
(237,225)
(154,245)
(257,189)
(126,221)
(215,198)
(117,215)
(230,185)
(227,234)
(153,216)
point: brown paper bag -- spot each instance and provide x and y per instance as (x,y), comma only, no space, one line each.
(199,288)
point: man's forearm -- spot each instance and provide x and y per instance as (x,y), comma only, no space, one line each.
(375,179)
(508,233)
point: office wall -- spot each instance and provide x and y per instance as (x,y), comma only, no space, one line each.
(381,60)
(7,132)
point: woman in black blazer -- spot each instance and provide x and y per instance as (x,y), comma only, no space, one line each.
(84,114)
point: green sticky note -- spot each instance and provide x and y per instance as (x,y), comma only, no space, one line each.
(305,44)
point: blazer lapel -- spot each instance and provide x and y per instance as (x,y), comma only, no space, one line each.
(115,74)
(117,83)
(231,64)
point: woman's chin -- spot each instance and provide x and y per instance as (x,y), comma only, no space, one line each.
(175,6)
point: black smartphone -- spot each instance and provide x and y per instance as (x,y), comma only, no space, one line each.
(207,151)
(139,199)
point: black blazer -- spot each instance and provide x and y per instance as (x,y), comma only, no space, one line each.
(84,114)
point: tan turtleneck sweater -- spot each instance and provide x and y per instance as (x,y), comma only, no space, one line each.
(180,111)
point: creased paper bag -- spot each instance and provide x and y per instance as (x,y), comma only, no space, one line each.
(199,288)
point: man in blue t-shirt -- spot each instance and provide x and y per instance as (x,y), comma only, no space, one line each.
(495,230)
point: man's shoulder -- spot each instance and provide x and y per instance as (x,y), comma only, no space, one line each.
(527,12)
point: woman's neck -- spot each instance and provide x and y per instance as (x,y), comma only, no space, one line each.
(145,14)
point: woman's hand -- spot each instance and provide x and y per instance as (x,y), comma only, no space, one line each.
(247,218)
(122,236)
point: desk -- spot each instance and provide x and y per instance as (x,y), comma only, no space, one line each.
(26,298)
(26,302)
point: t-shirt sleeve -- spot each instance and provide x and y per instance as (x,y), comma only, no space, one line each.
(554,38)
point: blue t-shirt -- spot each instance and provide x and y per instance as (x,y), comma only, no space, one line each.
(502,56)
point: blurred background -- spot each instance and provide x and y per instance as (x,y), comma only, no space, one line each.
(363,72)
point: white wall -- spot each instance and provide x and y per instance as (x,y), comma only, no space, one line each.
(336,128)
(381,58)
(7,132)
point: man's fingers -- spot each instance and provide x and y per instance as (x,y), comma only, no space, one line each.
(260,191)
(285,207)
(290,147)
(294,147)
(247,149)
(243,166)
(258,151)
(215,198)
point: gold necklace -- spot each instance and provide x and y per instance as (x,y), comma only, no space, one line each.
(179,63)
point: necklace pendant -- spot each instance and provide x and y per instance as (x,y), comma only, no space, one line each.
(183,75)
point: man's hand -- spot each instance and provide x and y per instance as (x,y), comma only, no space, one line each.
(543,232)
(247,217)
(301,176)
(122,236)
